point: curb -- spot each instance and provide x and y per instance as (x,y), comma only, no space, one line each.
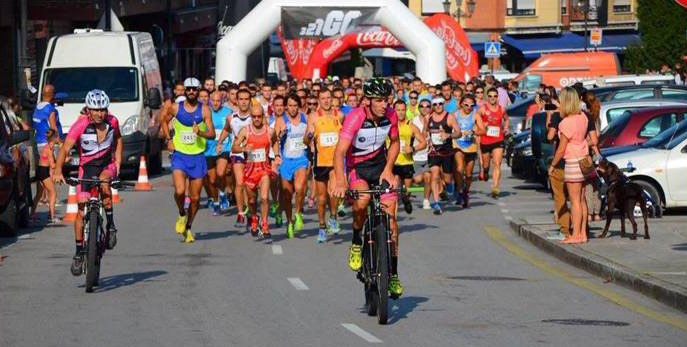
(665,292)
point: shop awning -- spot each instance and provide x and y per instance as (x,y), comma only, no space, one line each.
(534,47)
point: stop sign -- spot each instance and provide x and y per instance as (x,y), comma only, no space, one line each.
(683,3)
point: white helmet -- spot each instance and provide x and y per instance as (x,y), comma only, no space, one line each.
(97,99)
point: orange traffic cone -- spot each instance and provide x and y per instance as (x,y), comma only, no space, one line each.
(115,196)
(72,206)
(143,185)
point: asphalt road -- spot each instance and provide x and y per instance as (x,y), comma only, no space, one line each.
(469,281)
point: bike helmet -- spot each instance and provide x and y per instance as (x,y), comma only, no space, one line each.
(377,88)
(97,99)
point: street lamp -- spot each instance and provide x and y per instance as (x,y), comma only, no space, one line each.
(583,5)
(459,8)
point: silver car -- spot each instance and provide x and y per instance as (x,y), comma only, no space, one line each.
(611,110)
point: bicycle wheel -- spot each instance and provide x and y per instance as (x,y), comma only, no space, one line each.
(370,296)
(382,249)
(92,263)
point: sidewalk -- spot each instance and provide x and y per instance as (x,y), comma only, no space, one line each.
(655,267)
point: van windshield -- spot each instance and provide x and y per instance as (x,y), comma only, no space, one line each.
(530,82)
(72,84)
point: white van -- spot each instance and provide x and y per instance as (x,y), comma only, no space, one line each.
(125,66)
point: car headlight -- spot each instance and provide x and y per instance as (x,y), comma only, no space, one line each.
(130,125)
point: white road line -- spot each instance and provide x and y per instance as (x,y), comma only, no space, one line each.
(297,283)
(277,250)
(509,218)
(503,210)
(502,204)
(676,273)
(361,333)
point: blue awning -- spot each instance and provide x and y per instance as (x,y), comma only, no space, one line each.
(534,47)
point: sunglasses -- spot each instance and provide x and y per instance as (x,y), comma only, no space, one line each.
(195,89)
(468,105)
(492,96)
(312,104)
(479,92)
(424,106)
(413,98)
(438,104)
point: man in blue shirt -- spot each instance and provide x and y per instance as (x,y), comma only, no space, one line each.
(45,117)
(451,104)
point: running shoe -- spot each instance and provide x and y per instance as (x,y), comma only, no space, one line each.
(407,204)
(437,208)
(181,224)
(333,226)
(216,210)
(444,196)
(188,237)
(322,236)
(298,224)
(278,220)
(254,225)
(289,231)
(395,286)
(355,257)
(265,231)
(223,202)
(187,203)
(340,210)
(240,220)
(208,203)
(495,193)
(112,237)
(274,209)
(267,237)
(77,264)
(426,205)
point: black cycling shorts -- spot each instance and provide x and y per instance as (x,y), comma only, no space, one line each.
(491,147)
(404,171)
(446,163)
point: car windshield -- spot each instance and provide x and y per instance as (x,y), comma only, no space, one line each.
(670,135)
(614,128)
(120,83)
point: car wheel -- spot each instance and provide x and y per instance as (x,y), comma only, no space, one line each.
(25,210)
(657,210)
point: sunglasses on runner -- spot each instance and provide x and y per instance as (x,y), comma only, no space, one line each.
(425,106)
(438,104)
(195,89)
(468,105)
(493,96)
(413,98)
(312,104)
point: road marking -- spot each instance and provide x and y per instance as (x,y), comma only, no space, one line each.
(508,218)
(504,210)
(297,283)
(361,333)
(502,204)
(277,250)
(676,273)
(497,236)
(25,237)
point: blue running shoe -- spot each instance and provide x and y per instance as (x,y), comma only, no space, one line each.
(437,208)
(216,210)
(208,203)
(322,236)
(223,202)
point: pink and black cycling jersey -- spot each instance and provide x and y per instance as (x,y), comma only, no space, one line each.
(368,139)
(92,152)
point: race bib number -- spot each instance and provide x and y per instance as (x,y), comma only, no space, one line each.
(493,131)
(294,147)
(257,155)
(436,139)
(329,139)
(187,138)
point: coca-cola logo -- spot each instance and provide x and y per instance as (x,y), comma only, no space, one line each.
(454,47)
(327,52)
(291,53)
(381,38)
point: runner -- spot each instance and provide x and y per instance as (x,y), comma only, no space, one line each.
(412,109)
(232,98)
(255,140)
(363,143)
(312,105)
(100,155)
(440,128)
(192,123)
(451,103)
(239,119)
(492,124)
(422,174)
(466,149)
(265,99)
(277,109)
(411,140)
(290,129)
(324,126)
(217,157)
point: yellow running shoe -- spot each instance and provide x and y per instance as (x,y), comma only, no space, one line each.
(181,224)
(355,257)
(189,236)
(395,286)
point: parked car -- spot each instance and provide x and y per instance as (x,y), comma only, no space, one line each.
(660,166)
(512,142)
(517,113)
(531,158)
(629,80)
(642,92)
(614,109)
(638,126)
(15,179)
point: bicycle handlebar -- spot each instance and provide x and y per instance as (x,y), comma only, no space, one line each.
(114,183)
(375,191)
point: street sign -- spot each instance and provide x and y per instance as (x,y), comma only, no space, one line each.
(492,49)
(595,37)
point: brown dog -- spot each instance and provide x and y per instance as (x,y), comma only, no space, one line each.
(622,195)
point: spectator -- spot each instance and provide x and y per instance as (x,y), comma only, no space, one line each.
(44,172)
(504,99)
(573,146)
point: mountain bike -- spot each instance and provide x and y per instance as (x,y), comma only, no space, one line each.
(95,237)
(376,252)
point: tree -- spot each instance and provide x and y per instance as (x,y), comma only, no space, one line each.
(663,29)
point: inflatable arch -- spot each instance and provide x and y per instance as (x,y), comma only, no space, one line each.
(233,49)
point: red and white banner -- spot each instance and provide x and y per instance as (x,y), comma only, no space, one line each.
(304,60)
(682,3)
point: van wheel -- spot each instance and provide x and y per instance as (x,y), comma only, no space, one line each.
(23,213)
(657,210)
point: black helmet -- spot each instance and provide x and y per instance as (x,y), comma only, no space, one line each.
(377,88)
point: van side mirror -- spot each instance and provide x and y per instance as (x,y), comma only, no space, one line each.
(154,98)
(27,99)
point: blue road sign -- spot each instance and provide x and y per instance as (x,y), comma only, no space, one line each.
(492,49)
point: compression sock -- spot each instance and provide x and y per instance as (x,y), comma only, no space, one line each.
(79,246)
(394,265)
(182,212)
(357,240)
(109,216)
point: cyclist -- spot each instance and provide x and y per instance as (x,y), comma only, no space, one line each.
(369,162)
(466,147)
(192,124)
(290,129)
(441,127)
(412,141)
(239,119)
(255,141)
(492,125)
(324,126)
(100,155)
(217,157)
